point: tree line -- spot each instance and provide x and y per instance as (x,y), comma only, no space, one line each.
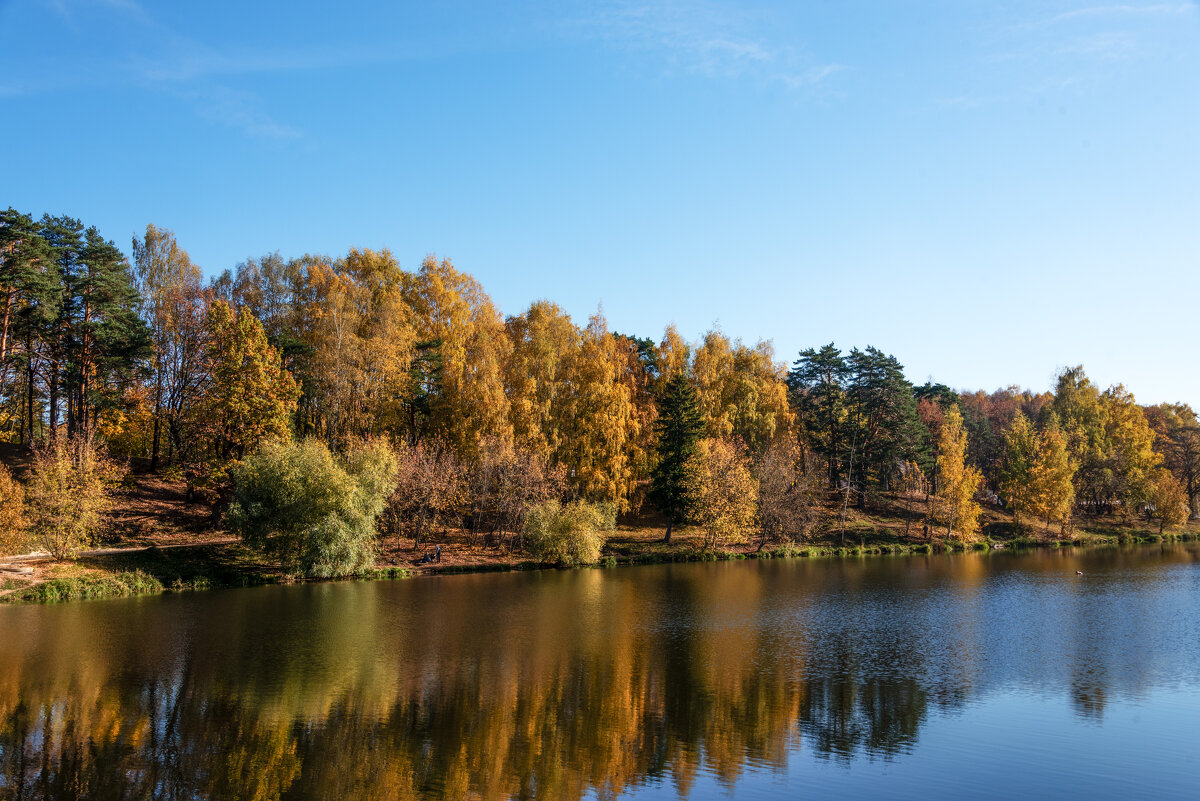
(488,416)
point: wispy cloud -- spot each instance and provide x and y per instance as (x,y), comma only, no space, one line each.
(159,59)
(1091,34)
(1094,12)
(702,37)
(241,110)
(1077,51)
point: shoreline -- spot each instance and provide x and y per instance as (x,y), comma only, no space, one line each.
(225,563)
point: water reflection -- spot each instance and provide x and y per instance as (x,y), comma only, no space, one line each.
(556,685)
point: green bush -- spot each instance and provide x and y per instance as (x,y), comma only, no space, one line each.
(571,534)
(313,512)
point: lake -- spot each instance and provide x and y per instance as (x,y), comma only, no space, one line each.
(982,675)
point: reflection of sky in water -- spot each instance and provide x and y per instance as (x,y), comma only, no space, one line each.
(1006,745)
(981,675)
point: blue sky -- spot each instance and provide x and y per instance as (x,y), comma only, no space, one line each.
(990,191)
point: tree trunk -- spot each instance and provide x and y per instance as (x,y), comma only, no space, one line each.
(157,422)
(667,537)
(29,397)
(8,302)
(53,392)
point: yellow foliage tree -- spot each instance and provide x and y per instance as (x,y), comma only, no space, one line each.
(544,342)
(1051,487)
(1168,500)
(252,397)
(958,481)
(674,355)
(722,493)
(742,391)
(599,422)
(1019,455)
(1132,461)
(452,309)
(361,333)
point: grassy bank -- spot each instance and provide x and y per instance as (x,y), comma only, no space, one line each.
(151,570)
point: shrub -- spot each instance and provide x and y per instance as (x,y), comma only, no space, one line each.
(13,537)
(312,512)
(570,534)
(69,491)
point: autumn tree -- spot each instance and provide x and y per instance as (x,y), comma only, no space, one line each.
(639,373)
(1177,438)
(169,285)
(959,481)
(1132,460)
(742,391)
(267,287)
(251,397)
(789,499)
(503,483)
(545,343)
(679,428)
(1018,461)
(722,494)
(599,422)
(1168,500)
(452,309)
(431,489)
(70,489)
(361,335)
(1052,488)
(673,356)
(1083,421)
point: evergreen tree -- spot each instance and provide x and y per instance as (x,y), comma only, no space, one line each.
(30,294)
(110,342)
(882,420)
(679,427)
(817,381)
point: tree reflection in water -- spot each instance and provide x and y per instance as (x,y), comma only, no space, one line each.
(544,685)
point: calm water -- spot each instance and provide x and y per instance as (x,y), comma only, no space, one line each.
(982,675)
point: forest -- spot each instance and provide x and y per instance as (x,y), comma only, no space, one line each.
(316,403)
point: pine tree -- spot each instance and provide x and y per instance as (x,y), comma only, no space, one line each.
(881,418)
(30,293)
(817,380)
(679,427)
